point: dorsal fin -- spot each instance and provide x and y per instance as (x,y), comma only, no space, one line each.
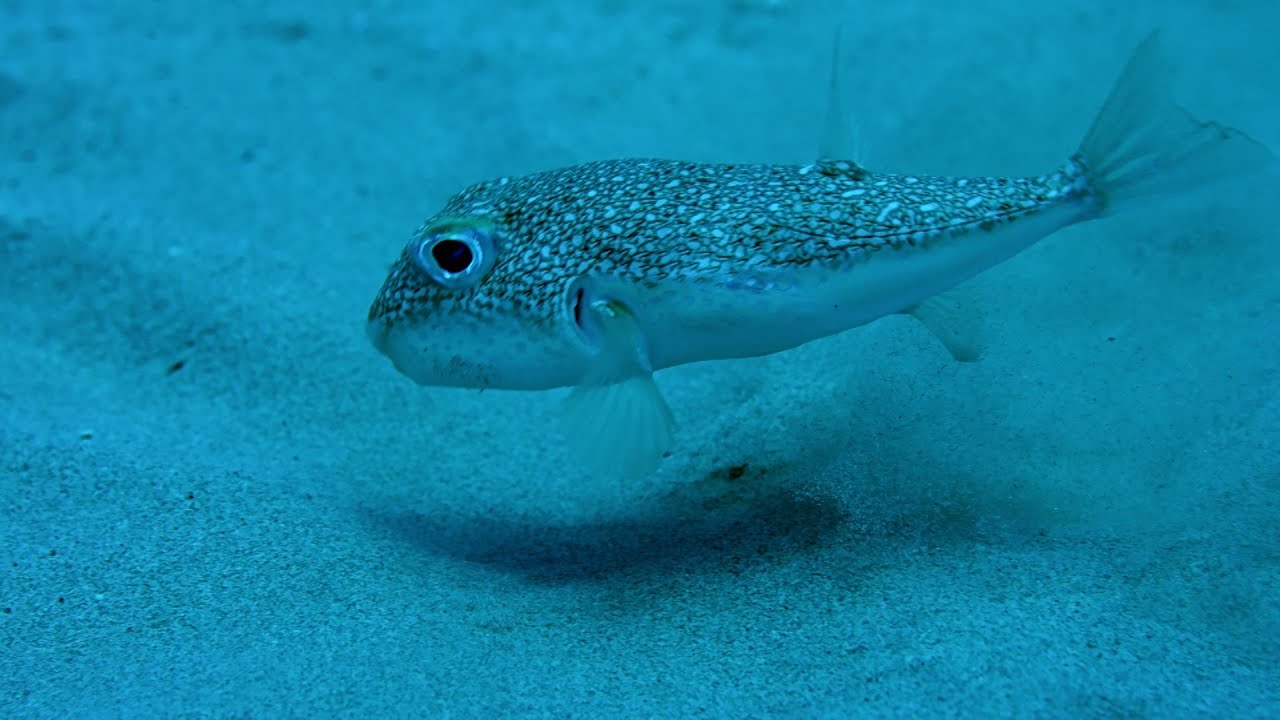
(847,168)
(840,150)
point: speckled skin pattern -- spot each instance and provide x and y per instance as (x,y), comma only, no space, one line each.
(645,221)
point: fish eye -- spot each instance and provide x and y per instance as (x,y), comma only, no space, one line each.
(456,258)
(453,256)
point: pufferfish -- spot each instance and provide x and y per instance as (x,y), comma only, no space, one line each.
(597,275)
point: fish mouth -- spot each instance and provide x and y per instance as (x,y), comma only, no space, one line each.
(415,356)
(466,352)
(376,331)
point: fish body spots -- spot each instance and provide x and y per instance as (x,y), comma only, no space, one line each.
(648,221)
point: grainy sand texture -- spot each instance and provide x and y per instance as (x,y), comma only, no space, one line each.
(218,500)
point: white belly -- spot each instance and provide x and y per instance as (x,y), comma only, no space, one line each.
(770,311)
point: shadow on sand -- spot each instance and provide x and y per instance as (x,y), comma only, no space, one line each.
(719,524)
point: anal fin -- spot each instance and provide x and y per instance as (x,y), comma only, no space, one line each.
(953,322)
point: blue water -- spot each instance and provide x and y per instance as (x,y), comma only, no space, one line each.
(217,500)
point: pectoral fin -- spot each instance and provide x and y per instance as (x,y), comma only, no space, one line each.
(617,422)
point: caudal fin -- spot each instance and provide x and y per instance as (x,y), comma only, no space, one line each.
(1143,142)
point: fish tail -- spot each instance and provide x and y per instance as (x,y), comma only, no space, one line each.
(1143,143)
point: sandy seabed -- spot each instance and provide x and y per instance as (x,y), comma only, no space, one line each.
(217,500)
